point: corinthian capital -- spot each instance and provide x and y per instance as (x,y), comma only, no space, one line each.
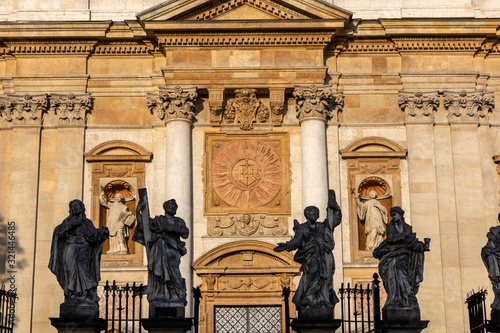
(418,107)
(23,109)
(173,103)
(317,101)
(466,106)
(70,109)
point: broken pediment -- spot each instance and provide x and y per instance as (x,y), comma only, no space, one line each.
(203,10)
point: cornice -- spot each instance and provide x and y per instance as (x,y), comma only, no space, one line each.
(445,26)
(81,29)
(441,44)
(122,47)
(66,46)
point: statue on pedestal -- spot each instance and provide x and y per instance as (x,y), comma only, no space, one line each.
(75,260)
(314,244)
(118,220)
(491,258)
(161,237)
(401,265)
(375,217)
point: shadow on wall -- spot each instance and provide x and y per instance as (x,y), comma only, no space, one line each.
(10,249)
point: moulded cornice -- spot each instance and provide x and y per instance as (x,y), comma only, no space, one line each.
(118,150)
(448,26)
(382,147)
(90,29)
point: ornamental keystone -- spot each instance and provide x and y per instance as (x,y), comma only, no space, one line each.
(173,103)
(466,106)
(317,102)
(418,107)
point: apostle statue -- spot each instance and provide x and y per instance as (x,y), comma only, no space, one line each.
(314,243)
(118,220)
(75,257)
(162,237)
(375,217)
(491,258)
(401,265)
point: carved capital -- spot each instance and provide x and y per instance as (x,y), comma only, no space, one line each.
(71,109)
(466,106)
(317,101)
(418,107)
(246,109)
(23,109)
(173,103)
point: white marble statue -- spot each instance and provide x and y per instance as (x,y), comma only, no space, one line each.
(118,219)
(375,217)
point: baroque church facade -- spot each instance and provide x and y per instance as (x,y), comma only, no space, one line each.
(246,112)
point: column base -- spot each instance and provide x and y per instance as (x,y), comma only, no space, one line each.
(171,325)
(69,325)
(316,325)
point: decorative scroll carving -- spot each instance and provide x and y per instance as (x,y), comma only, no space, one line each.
(418,107)
(23,110)
(317,101)
(247,225)
(71,108)
(277,99)
(468,106)
(172,103)
(247,283)
(246,109)
(215,99)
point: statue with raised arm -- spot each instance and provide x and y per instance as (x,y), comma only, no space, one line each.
(401,265)
(491,258)
(162,237)
(75,260)
(314,243)
(375,217)
(118,220)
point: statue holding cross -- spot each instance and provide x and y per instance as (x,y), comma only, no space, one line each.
(161,236)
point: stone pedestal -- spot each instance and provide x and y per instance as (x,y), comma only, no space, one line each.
(80,325)
(315,325)
(494,324)
(402,321)
(170,325)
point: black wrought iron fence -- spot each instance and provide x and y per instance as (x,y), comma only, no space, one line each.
(7,310)
(123,307)
(477,311)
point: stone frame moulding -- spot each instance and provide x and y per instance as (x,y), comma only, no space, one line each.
(243,273)
(371,157)
(118,160)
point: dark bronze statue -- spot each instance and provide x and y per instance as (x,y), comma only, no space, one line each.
(75,257)
(314,244)
(161,236)
(401,265)
(491,258)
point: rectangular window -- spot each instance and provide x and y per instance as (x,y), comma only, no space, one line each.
(248,319)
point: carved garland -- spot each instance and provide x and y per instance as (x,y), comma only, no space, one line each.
(317,101)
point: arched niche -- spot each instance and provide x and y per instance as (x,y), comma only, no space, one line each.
(118,166)
(373,163)
(243,274)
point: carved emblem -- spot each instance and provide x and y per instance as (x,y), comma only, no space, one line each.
(469,106)
(247,173)
(317,101)
(171,103)
(418,107)
(246,108)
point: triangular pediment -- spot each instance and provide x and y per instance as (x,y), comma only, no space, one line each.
(247,10)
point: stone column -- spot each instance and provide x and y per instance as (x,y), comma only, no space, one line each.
(315,105)
(176,107)
(24,113)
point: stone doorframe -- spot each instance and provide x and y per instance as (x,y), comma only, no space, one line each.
(243,273)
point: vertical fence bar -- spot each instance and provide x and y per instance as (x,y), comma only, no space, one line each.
(133,307)
(286,295)
(127,295)
(197,297)
(355,313)
(349,306)
(113,298)
(120,308)
(377,325)
(361,296)
(140,307)
(341,292)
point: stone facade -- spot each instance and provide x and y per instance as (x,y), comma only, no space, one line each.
(245,112)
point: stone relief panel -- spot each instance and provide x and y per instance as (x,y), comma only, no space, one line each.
(247,184)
